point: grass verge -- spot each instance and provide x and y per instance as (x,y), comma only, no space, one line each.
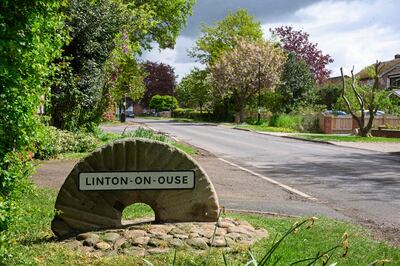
(337,138)
(33,243)
(265,128)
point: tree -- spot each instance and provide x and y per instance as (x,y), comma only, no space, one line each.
(196,89)
(95,28)
(236,72)
(365,100)
(328,94)
(163,103)
(31,36)
(298,43)
(296,84)
(222,36)
(160,80)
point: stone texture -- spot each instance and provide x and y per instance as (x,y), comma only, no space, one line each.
(132,234)
(176,242)
(197,243)
(111,237)
(218,241)
(92,210)
(91,241)
(102,246)
(143,240)
(149,238)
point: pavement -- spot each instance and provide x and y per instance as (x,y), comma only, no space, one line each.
(387,147)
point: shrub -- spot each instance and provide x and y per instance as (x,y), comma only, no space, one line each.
(163,103)
(55,141)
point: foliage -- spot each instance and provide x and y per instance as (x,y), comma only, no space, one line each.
(31,34)
(160,80)
(240,72)
(195,89)
(360,99)
(55,142)
(163,103)
(124,75)
(298,42)
(296,85)
(328,94)
(97,28)
(222,36)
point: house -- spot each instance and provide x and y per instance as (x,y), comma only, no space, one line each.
(390,74)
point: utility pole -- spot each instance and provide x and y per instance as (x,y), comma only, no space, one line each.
(259,93)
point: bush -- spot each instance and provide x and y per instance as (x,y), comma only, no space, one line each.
(302,123)
(54,141)
(163,103)
(191,114)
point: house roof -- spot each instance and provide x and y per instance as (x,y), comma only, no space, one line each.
(386,66)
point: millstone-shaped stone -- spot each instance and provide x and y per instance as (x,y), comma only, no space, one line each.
(82,211)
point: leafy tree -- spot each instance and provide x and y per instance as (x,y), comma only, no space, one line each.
(160,80)
(298,43)
(96,26)
(236,73)
(296,84)
(328,94)
(196,89)
(363,100)
(31,35)
(222,36)
(163,103)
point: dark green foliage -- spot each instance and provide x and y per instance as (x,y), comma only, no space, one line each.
(296,85)
(328,94)
(31,34)
(195,89)
(163,103)
(97,27)
(77,92)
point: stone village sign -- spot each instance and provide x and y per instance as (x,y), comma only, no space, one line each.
(133,171)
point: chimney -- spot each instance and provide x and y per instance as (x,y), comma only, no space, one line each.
(397,56)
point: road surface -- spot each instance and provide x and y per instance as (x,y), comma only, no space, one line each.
(359,184)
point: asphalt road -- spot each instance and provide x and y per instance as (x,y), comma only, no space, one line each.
(359,184)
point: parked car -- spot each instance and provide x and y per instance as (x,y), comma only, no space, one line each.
(130,113)
(335,112)
(377,113)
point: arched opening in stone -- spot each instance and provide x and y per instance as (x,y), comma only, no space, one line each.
(137,213)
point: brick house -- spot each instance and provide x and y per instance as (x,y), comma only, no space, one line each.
(390,75)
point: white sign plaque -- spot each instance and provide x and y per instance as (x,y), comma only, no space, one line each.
(174,179)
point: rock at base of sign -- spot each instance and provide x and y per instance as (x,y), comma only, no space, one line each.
(147,239)
(80,210)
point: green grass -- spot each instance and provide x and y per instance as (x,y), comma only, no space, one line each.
(33,243)
(335,138)
(266,128)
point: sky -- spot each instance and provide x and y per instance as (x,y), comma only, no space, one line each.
(354,33)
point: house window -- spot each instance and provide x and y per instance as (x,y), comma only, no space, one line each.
(395,82)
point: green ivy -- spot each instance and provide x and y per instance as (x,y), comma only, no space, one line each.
(31,35)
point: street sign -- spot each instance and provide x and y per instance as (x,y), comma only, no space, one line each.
(137,180)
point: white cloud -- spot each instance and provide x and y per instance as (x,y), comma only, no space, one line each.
(353,32)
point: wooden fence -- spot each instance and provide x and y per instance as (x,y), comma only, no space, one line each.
(331,124)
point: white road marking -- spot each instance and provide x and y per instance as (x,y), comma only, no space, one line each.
(288,188)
